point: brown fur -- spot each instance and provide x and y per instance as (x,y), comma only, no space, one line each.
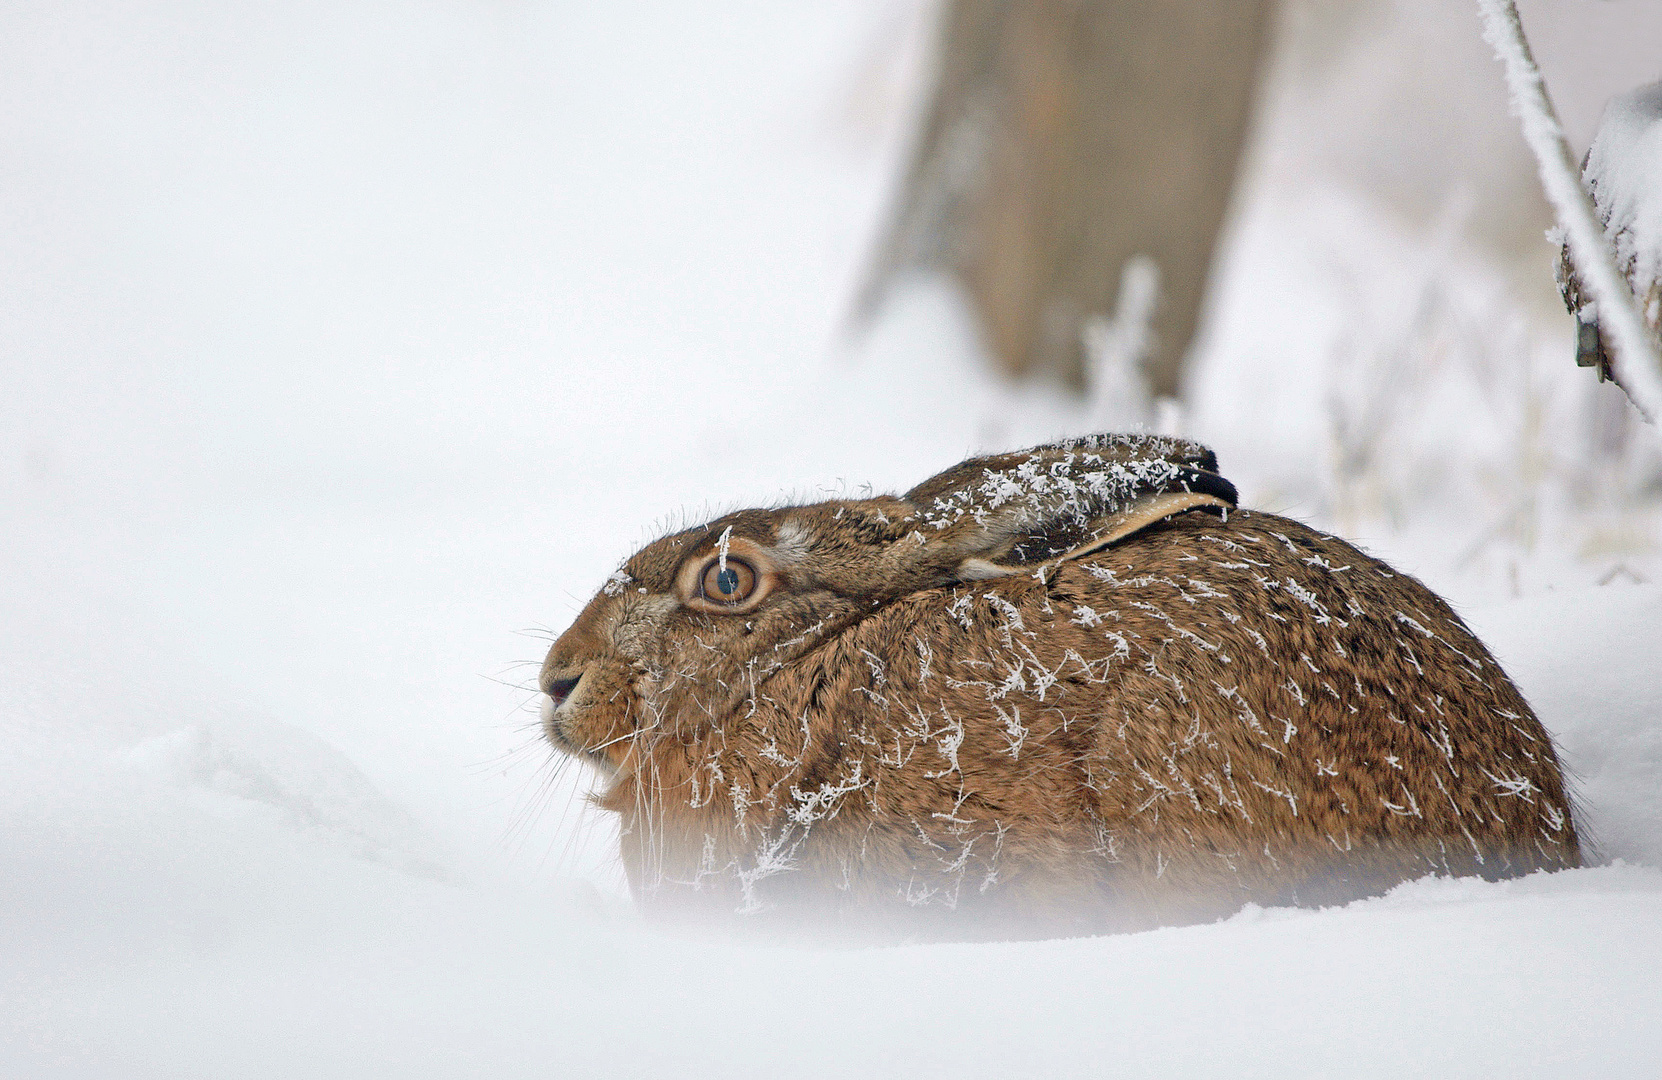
(1217,709)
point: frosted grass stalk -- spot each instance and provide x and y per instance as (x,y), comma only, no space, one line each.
(1637,362)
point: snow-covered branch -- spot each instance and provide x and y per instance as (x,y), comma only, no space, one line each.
(1638,364)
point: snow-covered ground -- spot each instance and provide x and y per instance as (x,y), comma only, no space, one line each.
(347,348)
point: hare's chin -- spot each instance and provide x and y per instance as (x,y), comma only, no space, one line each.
(599,761)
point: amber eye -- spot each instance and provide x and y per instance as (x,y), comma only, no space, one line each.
(731,582)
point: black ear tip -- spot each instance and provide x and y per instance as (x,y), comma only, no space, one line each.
(1209,460)
(1208,483)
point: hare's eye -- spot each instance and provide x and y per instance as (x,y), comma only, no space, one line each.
(731,583)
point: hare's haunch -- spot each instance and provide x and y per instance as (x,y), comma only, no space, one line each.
(1069,688)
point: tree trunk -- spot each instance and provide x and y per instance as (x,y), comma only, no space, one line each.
(1064,139)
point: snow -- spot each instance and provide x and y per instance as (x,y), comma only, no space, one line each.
(350,347)
(1582,658)
(1624,173)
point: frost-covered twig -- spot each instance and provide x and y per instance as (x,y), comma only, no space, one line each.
(1638,365)
(1117,346)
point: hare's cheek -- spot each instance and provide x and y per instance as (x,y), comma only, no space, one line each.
(649,698)
(592,727)
(619,753)
(611,719)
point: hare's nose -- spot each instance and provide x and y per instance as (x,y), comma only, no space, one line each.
(560,689)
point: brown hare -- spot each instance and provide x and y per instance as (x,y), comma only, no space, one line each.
(1062,690)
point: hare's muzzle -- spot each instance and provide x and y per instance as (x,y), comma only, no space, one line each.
(557,691)
(557,688)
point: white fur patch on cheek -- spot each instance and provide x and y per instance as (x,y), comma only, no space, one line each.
(547,710)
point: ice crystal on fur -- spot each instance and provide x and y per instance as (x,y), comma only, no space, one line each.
(969,683)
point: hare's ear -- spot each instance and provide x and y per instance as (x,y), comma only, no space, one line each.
(997,515)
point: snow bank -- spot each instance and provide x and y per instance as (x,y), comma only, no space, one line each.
(286,469)
(1587,660)
(192,889)
(366,975)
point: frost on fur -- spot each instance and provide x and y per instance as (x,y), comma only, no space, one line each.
(1207,710)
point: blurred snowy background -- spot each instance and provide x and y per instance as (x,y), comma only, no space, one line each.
(345,348)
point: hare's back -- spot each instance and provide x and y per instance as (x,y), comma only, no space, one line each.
(1274,681)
